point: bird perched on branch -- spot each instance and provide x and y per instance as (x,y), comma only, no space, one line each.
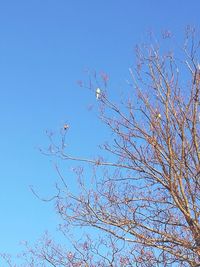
(66,126)
(158,116)
(98,93)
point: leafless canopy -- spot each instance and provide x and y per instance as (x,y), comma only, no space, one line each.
(145,201)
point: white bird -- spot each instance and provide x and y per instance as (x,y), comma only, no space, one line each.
(98,93)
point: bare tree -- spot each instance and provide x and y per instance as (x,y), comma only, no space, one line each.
(144,201)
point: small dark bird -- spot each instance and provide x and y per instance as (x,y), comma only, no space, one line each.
(66,126)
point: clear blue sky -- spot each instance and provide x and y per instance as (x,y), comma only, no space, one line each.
(45,46)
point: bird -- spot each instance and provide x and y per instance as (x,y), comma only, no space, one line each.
(159,116)
(66,126)
(98,93)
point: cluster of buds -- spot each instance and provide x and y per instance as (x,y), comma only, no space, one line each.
(197,75)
